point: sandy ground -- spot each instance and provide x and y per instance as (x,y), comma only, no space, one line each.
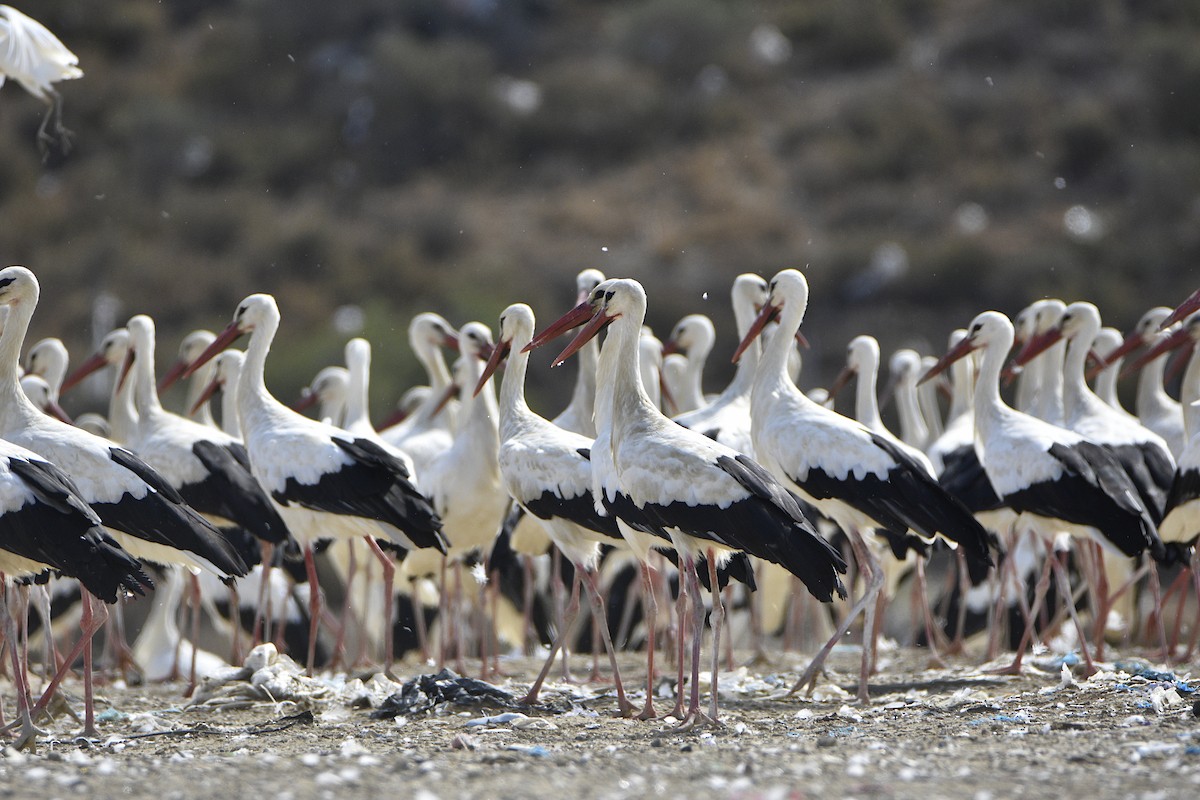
(1130,731)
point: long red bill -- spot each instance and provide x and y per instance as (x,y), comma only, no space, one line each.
(206,395)
(600,321)
(499,352)
(1180,362)
(1037,345)
(1185,310)
(768,313)
(959,350)
(56,411)
(572,319)
(841,380)
(308,399)
(397,416)
(450,393)
(95,362)
(1132,342)
(173,374)
(1175,339)
(225,338)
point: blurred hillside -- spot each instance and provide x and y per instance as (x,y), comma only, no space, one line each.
(920,159)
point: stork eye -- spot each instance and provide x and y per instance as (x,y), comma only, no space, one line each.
(608,295)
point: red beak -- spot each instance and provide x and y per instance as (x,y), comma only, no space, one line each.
(1037,345)
(1186,309)
(671,346)
(94,363)
(572,319)
(841,380)
(600,321)
(308,399)
(1175,339)
(206,395)
(1132,342)
(499,353)
(768,313)
(955,353)
(173,374)
(398,416)
(56,411)
(227,337)
(1177,366)
(447,396)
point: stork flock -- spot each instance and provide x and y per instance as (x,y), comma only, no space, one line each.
(757,486)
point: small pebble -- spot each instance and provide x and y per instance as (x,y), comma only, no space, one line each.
(826,741)
(1196,709)
(657,742)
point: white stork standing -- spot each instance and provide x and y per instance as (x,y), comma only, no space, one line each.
(138,507)
(122,414)
(579,414)
(328,392)
(428,432)
(464,482)
(693,337)
(49,359)
(1143,453)
(1054,478)
(192,346)
(46,525)
(1156,409)
(326,482)
(713,501)
(727,418)
(546,470)
(905,369)
(227,372)
(1106,372)
(855,477)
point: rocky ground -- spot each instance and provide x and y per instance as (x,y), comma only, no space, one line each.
(1133,730)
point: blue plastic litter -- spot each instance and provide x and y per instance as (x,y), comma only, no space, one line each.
(1192,750)
(111,715)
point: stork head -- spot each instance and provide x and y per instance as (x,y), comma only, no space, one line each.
(789,289)
(585,281)
(1188,334)
(515,331)
(47,357)
(190,349)
(114,348)
(991,329)
(694,333)
(428,328)
(608,302)
(18,285)
(39,393)
(862,356)
(256,311)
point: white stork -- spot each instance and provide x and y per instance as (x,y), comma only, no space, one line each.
(1156,409)
(326,482)
(144,514)
(905,368)
(546,470)
(1108,369)
(113,351)
(35,58)
(227,372)
(579,414)
(49,359)
(693,337)
(46,525)
(855,477)
(1143,454)
(711,499)
(428,432)
(328,391)
(192,346)
(727,418)
(1054,478)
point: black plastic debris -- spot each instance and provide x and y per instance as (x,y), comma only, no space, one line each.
(425,692)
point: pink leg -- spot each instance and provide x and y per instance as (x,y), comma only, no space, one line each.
(651,609)
(314,606)
(389,578)
(571,612)
(600,622)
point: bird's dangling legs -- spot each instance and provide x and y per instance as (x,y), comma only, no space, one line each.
(560,635)
(61,134)
(600,623)
(650,605)
(389,603)
(314,606)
